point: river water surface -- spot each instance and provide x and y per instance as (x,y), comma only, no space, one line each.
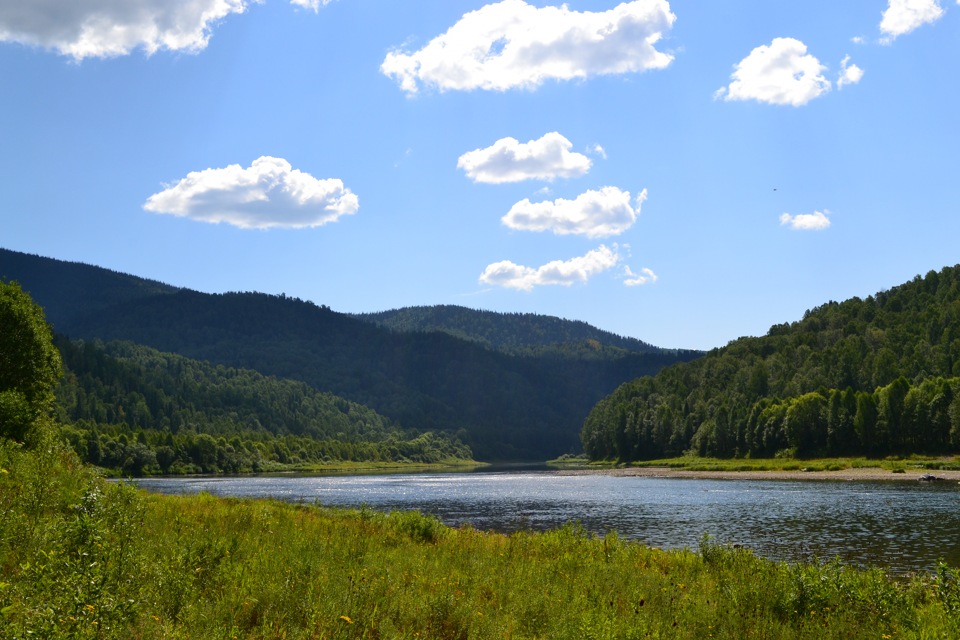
(902,526)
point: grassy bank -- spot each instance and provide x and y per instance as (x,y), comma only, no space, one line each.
(82,558)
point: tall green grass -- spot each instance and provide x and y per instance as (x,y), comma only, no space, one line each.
(82,558)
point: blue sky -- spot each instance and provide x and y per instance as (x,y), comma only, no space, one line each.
(681,172)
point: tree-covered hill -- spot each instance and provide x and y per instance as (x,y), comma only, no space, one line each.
(509,332)
(134,409)
(504,406)
(874,376)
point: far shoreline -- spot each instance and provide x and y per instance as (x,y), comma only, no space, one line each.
(851,474)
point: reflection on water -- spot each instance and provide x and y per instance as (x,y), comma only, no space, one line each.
(904,526)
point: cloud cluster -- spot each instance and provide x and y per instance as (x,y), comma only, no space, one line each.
(105,28)
(594,214)
(512,44)
(816,221)
(779,73)
(267,194)
(509,160)
(559,272)
(903,16)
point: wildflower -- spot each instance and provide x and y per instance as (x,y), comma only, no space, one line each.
(346,619)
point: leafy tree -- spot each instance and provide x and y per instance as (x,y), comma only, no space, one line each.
(29,362)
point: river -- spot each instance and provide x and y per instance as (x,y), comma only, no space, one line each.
(901,526)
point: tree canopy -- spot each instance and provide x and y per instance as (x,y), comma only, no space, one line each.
(874,376)
(29,362)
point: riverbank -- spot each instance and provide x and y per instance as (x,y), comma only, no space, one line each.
(848,474)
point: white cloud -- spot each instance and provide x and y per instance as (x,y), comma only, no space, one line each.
(565,273)
(106,28)
(508,160)
(267,194)
(903,16)
(816,221)
(596,149)
(311,4)
(513,44)
(595,214)
(638,279)
(849,73)
(781,73)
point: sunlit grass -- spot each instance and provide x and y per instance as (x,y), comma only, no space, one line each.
(82,558)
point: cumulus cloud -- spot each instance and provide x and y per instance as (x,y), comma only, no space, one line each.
(512,44)
(903,16)
(595,214)
(849,73)
(559,272)
(638,279)
(106,28)
(816,221)
(267,194)
(509,160)
(596,149)
(779,73)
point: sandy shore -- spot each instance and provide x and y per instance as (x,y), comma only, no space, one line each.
(862,473)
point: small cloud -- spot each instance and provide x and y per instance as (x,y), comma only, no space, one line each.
(849,73)
(509,160)
(857,40)
(597,150)
(109,28)
(636,280)
(903,16)
(595,214)
(781,73)
(816,221)
(564,273)
(512,44)
(267,194)
(313,5)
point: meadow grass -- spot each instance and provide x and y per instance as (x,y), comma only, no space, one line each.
(83,558)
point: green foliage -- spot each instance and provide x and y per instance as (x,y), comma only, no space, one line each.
(29,363)
(138,411)
(874,376)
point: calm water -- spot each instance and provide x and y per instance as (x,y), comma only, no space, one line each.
(904,526)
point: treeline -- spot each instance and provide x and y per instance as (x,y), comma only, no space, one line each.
(137,410)
(876,376)
(151,452)
(508,332)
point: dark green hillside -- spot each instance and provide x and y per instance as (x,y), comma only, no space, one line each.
(137,410)
(875,376)
(504,406)
(508,332)
(72,290)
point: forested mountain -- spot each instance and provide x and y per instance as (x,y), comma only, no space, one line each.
(508,332)
(503,406)
(875,376)
(137,410)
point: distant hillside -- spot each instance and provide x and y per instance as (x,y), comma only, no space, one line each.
(877,376)
(508,332)
(71,289)
(504,406)
(136,410)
